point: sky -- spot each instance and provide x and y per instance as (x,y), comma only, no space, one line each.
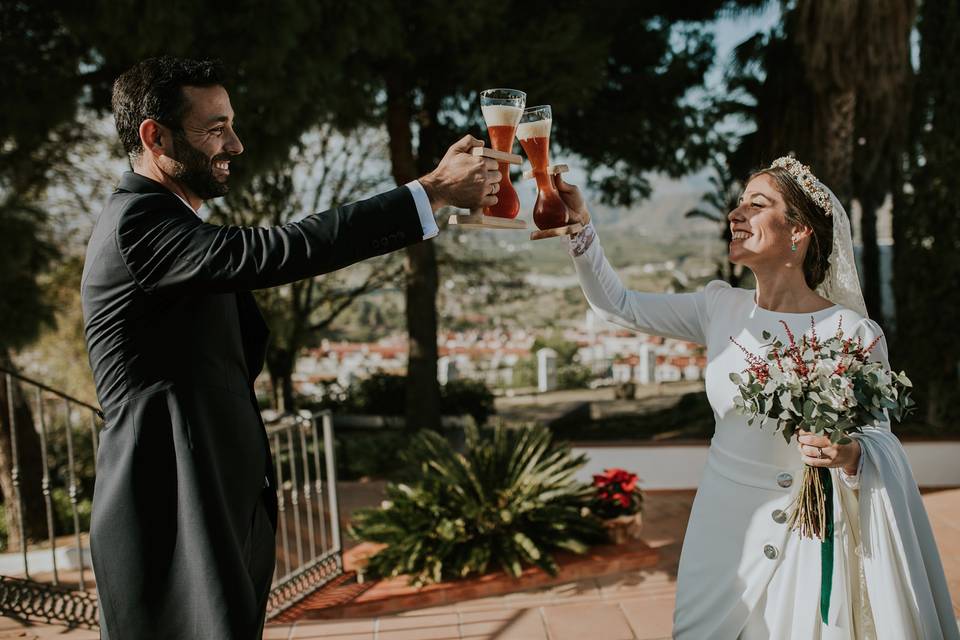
(731,31)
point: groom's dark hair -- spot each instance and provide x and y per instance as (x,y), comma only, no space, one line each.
(153,89)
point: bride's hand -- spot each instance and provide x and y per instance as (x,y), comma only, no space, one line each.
(818,451)
(572,197)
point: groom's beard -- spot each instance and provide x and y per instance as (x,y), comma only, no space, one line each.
(195,170)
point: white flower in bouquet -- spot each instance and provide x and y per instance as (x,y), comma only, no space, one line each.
(828,387)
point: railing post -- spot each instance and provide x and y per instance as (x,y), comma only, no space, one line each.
(328,454)
(26,598)
(300,579)
(294,494)
(319,482)
(72,490)
(281,504)
(307,498)
(45,486)
(15,475)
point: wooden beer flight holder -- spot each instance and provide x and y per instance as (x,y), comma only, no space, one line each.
(476,218)
(566,230)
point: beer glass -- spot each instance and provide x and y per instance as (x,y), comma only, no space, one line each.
(534,134)
(502,109)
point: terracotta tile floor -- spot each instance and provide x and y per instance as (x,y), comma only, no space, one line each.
(632,606)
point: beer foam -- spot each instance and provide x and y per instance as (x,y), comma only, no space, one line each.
(501,115)
(536,129)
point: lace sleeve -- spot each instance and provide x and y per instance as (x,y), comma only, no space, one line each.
(580,242)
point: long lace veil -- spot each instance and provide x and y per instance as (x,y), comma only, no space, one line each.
(841,284)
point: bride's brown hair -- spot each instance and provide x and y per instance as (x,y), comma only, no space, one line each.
(804,212)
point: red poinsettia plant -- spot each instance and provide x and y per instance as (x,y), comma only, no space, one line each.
(616,494)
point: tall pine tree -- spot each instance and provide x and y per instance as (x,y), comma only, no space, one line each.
(927,223)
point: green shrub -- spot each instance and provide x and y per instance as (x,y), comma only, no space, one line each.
(574,376)
(467,397)
(381,394)
(369,454)
(63,513)
(384,394)
(510,498)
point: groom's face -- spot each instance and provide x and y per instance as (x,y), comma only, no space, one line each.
(205,143)
(762,235)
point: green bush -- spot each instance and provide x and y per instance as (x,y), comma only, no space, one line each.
(510,498)
(63,513)
(467,397)
(384,394)
(525,373)
(62,516)
(574,376)
(369,454)
(566,349)
(381,394)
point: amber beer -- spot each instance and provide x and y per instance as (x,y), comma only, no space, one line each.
(533,132)
(502,109)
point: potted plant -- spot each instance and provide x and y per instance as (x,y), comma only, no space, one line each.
(618,501)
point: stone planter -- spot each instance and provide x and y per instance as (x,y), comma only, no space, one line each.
(624,528)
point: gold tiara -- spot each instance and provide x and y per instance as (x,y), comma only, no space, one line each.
(802,175)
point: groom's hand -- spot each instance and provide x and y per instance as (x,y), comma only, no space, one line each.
(572,197)
(463,179)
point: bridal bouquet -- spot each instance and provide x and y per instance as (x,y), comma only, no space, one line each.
(827,387)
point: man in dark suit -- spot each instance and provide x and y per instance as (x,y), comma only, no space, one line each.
(184,511)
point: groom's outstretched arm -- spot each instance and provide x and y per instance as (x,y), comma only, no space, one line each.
(166,246)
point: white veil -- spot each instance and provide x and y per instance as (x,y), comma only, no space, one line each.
(842,284)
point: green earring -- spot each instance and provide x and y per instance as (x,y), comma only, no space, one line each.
(793,247)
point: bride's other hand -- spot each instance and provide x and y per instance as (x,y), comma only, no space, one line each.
(818,451)
(572,197)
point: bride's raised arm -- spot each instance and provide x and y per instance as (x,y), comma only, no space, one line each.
(674,315)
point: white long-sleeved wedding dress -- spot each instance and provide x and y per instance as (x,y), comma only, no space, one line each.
(743,573)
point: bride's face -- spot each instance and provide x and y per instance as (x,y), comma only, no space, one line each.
(762,235)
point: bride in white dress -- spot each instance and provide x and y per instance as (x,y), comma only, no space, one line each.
(743,573)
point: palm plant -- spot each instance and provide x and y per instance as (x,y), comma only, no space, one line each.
(509,499)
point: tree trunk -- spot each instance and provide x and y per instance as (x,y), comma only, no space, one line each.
(280,364)
(870,257)
(423,388)
(30,465)
(420,268)
(838,142)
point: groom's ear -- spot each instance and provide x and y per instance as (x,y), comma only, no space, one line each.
(154,137)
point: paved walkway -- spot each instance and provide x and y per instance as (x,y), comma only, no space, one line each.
(630,606)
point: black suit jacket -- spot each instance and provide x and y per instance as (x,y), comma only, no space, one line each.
(175,341)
